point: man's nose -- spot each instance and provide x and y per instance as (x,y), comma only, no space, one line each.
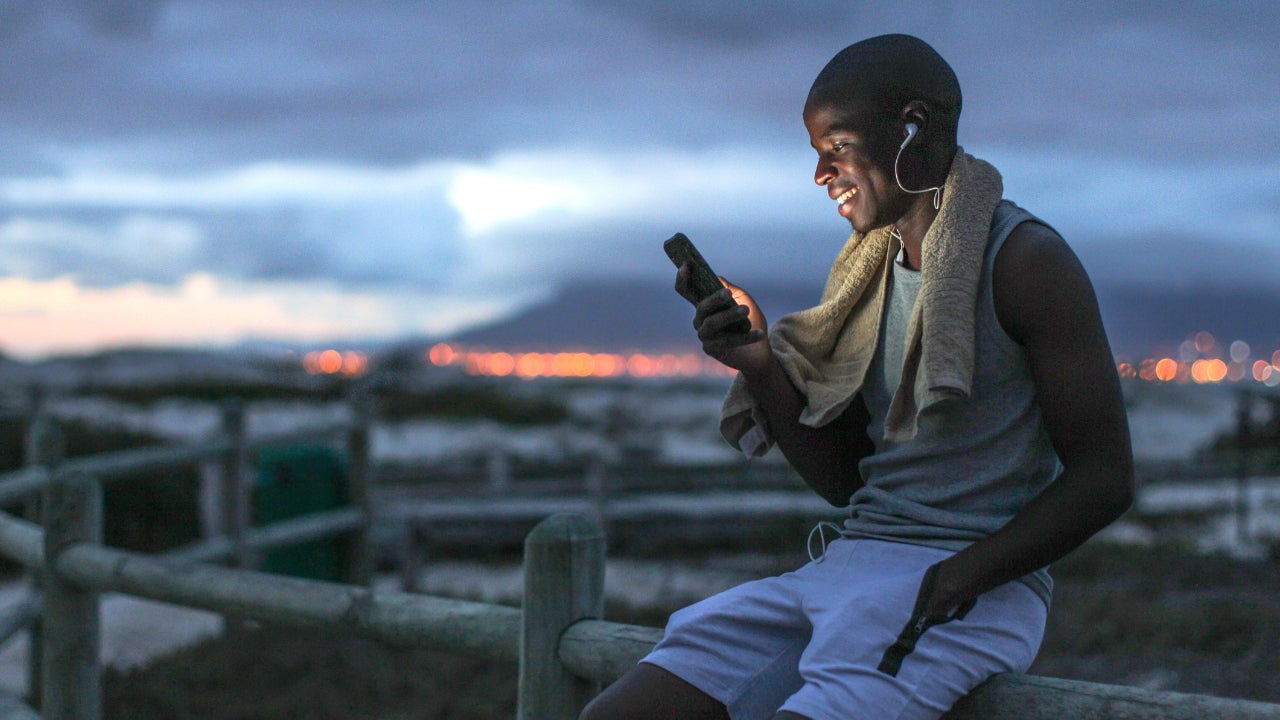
(824,173)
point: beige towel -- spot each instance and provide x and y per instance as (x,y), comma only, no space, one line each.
(827,349)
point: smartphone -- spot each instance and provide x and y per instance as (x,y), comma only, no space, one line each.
(702,278)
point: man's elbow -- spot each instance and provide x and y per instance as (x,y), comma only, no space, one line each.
(1103,490)
(837,500)
(837,493)
(1120,493)
(1124,499)
(836,484)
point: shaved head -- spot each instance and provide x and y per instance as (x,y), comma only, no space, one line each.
(885,73)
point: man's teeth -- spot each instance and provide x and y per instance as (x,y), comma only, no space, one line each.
(844,196)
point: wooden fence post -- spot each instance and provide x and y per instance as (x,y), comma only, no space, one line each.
(597,482)
(356,556)
(235,482)
(1244,448)
(72,686)
(497,468)
(44,447)
(414,543)
(563,583)
(235,495)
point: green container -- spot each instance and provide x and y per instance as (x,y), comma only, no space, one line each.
(293,482)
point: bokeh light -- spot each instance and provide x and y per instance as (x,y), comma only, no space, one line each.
(1190,364)
(1204,341)
(441,354)
(1239,351)
(1235,371)
(351,363)
(529,365)
(1262,370)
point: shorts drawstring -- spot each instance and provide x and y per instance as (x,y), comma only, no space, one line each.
(820,529)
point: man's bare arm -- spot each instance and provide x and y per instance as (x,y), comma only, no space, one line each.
(1046,303)
(827,457)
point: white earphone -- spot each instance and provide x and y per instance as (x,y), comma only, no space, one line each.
(912,129)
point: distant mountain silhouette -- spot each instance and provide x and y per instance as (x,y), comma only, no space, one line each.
(648,316)
(1143,320)
(639,315)
(619,317)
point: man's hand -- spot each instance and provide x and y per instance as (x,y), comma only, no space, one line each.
(714,318)
(952,587)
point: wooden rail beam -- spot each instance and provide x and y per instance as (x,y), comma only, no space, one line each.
(12,708)
(112,465)
(396,618)
(602,651)
(316,526)
(20,615)
(1029,697)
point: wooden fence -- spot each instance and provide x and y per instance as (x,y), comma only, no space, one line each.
(563,649)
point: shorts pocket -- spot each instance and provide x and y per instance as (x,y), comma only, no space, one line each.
(918,624)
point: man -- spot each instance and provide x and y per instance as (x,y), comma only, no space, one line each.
(954,388)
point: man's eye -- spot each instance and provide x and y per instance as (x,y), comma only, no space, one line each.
(838,146)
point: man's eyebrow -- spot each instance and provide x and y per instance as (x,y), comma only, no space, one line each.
(843,129)
(830,133)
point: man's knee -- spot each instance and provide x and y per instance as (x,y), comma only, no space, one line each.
(649,692)
(612,706)
(595,710)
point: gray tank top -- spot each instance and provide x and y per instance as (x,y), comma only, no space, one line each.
(976,461)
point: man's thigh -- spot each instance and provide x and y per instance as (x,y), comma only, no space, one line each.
(854,627)
(810,642)
(741,647)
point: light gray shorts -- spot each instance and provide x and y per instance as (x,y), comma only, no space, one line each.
(812,641)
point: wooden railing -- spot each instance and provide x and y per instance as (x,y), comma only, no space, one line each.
(563,649)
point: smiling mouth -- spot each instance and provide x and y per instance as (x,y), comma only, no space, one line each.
(845,196)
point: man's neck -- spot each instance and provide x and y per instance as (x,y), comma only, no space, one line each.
(912,227)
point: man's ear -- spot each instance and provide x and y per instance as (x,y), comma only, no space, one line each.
(916,113)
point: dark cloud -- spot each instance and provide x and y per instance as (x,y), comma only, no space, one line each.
(384,82)
(728,25)
(188,87)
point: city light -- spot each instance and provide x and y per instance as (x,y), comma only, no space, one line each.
(1262,370)
(574,364)
(1201,359)
(351,363)
(1204,342)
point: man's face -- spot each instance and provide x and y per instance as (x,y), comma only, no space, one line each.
(855,164)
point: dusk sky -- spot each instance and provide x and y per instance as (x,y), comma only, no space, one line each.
(192,173)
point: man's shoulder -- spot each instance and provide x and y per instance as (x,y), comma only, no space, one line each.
(1037,274)
(1033,246)
(1011,219)
(1024,235)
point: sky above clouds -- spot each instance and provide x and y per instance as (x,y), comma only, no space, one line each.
(193,172)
